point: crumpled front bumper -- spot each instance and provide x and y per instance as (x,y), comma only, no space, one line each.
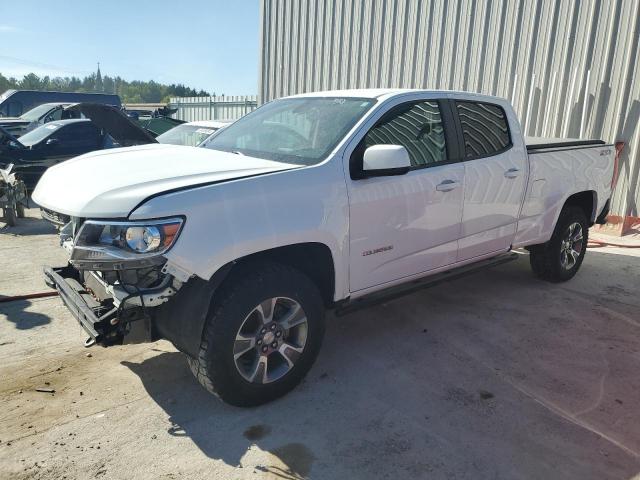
(179,320)
(104,323)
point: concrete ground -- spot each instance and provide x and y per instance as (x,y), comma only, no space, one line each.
(497,375)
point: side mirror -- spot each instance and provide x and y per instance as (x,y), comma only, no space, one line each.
(52,142)
(385,160)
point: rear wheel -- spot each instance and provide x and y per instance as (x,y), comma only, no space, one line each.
(262,336)
(560,258)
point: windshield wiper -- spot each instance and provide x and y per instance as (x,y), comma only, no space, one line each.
(238,152)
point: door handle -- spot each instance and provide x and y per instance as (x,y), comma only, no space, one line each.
(512,173)
(447,186)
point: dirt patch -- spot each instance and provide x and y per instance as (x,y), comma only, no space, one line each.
(51,391)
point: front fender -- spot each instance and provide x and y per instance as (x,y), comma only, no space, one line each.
(231,220)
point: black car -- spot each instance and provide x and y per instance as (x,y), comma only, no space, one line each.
(57,141)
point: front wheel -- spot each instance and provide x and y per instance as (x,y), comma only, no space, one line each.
(560,258)
(261,337)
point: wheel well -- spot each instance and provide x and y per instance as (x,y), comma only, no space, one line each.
(585,201)
(312,259)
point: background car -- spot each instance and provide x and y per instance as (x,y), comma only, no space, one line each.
(154,120)
(14,103)
(192,134)
(57,141)
(45,113)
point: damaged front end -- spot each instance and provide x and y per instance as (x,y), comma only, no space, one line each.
(117,277)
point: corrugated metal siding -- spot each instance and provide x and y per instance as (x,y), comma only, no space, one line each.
(570,67)
(191,109)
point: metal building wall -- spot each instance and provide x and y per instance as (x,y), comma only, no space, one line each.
(191,109)
(570,67)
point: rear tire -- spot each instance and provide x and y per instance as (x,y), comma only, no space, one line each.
(10,216)
(560,258)
(240,378)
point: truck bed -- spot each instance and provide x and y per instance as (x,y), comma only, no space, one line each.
(558,168)
(542,143)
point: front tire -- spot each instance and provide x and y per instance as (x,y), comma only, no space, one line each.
(19,210)
(262,335)
(560,258)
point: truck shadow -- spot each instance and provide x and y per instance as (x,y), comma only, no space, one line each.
(221,431)
(441,381)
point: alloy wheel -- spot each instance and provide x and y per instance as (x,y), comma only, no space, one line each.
(270,340)
(571,246)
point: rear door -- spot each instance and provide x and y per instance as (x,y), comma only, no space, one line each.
(407,224)
(495,172)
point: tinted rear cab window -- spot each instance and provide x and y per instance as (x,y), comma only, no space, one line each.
(485,129)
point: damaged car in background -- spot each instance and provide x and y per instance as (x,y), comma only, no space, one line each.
(192,134)
(45,113)
(54,142)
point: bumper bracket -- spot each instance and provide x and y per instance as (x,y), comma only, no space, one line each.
(93,317)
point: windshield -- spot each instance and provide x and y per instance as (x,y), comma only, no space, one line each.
(190,135)
(35,113)
(38,134)
(294,130)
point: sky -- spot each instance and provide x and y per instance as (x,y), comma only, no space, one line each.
(211,45)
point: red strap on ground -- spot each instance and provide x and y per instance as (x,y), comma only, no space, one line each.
(28,296)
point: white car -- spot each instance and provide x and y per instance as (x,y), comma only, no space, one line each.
(324,200)
(191,134)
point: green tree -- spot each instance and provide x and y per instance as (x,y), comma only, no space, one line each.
(7,83)
(135,91)
(31,82)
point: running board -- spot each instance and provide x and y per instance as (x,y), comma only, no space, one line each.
(397,291)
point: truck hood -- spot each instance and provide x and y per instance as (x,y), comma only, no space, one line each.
(111,183)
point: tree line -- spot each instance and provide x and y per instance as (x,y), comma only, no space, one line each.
(135,91)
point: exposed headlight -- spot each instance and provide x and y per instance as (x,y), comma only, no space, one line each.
(103,242)
(143,239)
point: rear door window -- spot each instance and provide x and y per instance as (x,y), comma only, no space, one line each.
(485,129)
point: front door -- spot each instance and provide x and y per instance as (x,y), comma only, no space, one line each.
(407,224)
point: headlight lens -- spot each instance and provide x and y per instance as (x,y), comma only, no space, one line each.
(104,241)
(143,239)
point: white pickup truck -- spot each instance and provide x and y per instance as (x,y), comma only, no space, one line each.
(234,251)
